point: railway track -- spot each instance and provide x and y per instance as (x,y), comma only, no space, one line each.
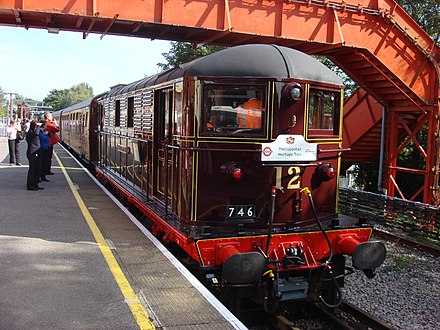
(346,317)
(406,241)
(350,317)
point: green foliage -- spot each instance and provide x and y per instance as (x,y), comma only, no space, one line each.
(3,103)
(366,176)
(63,98)
(349,85)
(55,98)
(183,52)
(411,157)
(426,13)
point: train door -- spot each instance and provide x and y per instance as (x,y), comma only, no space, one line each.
(162,159)
(94,129)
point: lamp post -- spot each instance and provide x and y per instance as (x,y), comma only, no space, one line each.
(9,114)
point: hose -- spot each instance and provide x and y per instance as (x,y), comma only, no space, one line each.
(306,191)
(338,290)
(274,286)
(327,265)
(272,213)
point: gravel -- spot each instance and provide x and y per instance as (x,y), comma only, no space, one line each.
(405,292)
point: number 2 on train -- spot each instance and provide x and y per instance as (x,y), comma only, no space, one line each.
(294,173)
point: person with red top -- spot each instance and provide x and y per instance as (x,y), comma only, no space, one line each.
(53,129)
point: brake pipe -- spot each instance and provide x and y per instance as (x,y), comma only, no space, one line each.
(307,192)
(326,264)
(273,196)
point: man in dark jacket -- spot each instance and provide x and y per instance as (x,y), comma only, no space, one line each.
(33,141)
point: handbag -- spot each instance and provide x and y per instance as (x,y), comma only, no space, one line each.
(20,135)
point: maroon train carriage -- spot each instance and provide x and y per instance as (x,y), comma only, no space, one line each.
(235,157)
(79,126)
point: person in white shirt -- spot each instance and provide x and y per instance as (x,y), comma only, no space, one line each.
(27,125)
(14,151)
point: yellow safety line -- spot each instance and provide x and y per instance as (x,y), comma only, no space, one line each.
(137,309)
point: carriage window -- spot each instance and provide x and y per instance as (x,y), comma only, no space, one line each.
(130,112)
(233,110)
(118,113)
(324,110)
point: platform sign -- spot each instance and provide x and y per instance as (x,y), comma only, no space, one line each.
(289,148)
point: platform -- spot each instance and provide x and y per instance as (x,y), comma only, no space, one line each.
(73,257)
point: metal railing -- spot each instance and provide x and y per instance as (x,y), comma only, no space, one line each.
(413,218)
(4,122)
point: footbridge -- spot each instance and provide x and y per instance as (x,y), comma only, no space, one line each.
(374,41)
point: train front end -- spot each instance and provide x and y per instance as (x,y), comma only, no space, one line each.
(268,167)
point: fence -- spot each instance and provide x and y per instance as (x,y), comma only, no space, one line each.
(416,219)
(4,122)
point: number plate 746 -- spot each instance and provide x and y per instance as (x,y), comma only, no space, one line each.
(240,211)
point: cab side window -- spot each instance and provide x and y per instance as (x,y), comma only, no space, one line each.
(324,112)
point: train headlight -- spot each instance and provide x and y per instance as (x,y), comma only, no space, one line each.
(232,171)
(293,91)
(326,172)
(237,173)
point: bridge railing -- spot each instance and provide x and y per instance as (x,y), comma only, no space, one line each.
(413,218)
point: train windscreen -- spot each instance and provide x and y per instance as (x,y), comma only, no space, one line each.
(236,110)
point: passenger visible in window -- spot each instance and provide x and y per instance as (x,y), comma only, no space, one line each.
(212,121)
(249,114)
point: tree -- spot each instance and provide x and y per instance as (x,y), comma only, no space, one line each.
(63,98)
(55,97)
(3,103)
(349,84)
(183,52)
(426,13)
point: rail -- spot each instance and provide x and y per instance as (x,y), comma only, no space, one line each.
(416,219)
(345,317)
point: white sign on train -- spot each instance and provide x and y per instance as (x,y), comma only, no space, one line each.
(289,148)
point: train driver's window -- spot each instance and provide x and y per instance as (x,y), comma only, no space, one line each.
(324,112)
(233,110)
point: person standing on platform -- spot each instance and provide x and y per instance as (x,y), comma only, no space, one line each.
(44,150)
(53,129)
(27,125)
(32,154)
(20,136)
(14,150)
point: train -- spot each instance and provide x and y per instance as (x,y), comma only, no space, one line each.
(235,158)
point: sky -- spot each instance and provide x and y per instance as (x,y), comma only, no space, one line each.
(34,62)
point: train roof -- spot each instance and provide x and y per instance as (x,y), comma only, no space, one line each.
(77,106)
(265,61)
